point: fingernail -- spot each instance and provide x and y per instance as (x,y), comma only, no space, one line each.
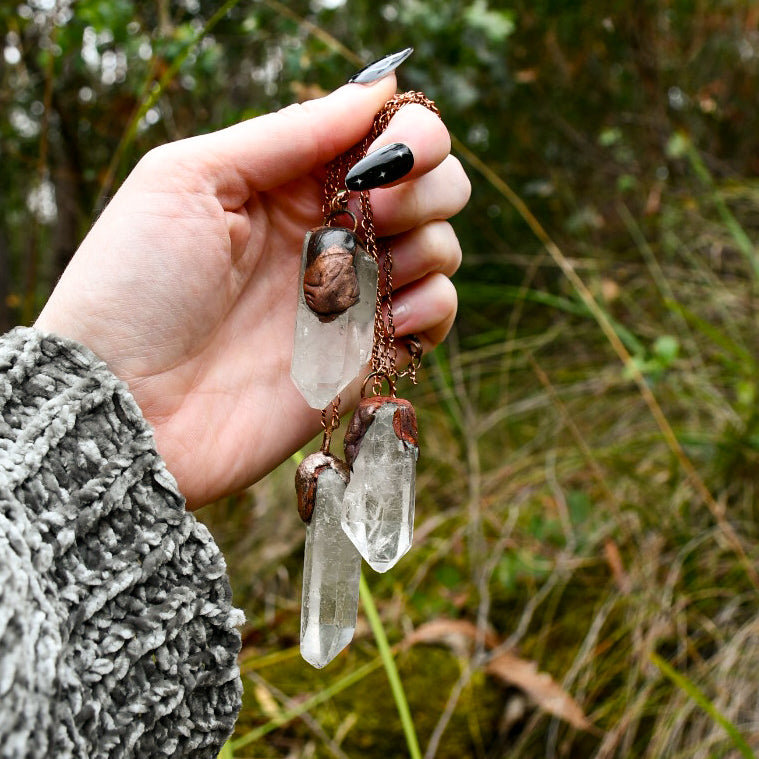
(380,68)
(400,312)
(381,167)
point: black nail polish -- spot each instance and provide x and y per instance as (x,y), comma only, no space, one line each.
(381,167)
(380,68)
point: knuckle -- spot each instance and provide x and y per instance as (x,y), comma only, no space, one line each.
(443,135)
(444,248)
(166,162)
(297,120)
(455,254)
(460,178)
(293,111)
(156,159)
(447,307)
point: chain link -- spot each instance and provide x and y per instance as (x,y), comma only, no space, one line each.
(384,350)
(330,426)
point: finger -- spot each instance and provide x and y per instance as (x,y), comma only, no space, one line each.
(271,150)
(423,132)
(439,194)
(431,248)
(426,308)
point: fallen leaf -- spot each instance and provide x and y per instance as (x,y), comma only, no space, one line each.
(458,634)
(543,690)
(547,694)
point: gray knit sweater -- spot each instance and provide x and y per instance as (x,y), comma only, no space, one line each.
(117,634)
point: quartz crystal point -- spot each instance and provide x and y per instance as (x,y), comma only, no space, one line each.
(335,317)
(331,565)
(378,508)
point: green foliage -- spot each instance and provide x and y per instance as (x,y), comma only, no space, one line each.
(693,691)
(550,505)
(495,25)
(110,16)
(658,360)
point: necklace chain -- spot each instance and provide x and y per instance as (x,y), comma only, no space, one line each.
(336,198)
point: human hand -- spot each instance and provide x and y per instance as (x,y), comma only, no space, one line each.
(187,284)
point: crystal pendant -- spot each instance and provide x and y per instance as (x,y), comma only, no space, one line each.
(381,449)
(331,565)
(335,319)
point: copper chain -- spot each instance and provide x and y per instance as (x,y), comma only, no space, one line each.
(329,426)
(384,350)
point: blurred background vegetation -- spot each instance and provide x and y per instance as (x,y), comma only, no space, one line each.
(583,581)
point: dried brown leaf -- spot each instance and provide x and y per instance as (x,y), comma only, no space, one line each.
(547,694)
(457,634)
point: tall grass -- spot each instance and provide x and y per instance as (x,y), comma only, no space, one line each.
(554,513)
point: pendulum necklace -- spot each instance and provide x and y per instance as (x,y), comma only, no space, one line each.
(365,505)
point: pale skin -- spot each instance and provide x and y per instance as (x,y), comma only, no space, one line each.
(186,285)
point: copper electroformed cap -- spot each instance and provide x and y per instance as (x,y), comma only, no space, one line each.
(307,480)
(330,280)
(404,424)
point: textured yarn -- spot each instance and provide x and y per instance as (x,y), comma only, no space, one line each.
(117,633)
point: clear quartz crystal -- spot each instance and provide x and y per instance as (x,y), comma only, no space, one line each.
(327,356)
(378,506)
(330,577)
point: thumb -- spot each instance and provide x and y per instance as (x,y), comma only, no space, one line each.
(267,151)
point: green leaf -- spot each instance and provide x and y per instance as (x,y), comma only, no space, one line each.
(666,349)
(626,182)
(678,145)
(497,25)
(609,137)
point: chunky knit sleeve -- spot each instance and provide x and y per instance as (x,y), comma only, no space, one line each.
(117,634)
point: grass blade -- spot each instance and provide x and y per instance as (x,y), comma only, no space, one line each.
(605,323)
(733,226)
(392,671)
(256,661)
(290,714)
(700,698)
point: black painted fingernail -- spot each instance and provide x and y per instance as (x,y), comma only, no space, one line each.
(380,68)
(381,167)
